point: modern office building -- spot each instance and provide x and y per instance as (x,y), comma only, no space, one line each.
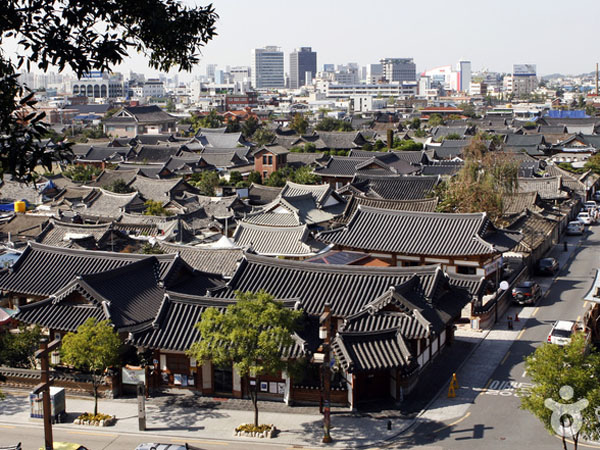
(464,75)
(267,68)
(97,84)
(399,69)
(303,66)
(523,81)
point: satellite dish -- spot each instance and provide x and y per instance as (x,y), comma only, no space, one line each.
(504,285)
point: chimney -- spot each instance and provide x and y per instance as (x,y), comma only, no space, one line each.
(390,138)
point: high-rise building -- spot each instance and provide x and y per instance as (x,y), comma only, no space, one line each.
(240,74)
(374,73)
(210,71)
(328,67)
(267,68)
(399,69)
(464,75)
(302,61)
(522,81)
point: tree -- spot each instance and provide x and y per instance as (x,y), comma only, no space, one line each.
(81,173)
(250,126)
(276,179)
(93,348)
(452,137)
(67,34)
(263,136)
(410,145)
(210,120)
(16,349)
(170,106)
(206,182)
(564,374)
(414,123)
(305,175)
(235,177)
(119,187)
(590,110)
(593,163)
(331,124)
(233,125)
(254,177)
(252,334)
(150,249)
(435,120)
(481,185)
(299,124)
(154,208)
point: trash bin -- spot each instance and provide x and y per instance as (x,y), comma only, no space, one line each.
(57,404)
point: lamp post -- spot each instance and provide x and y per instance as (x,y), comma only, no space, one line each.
(325,333)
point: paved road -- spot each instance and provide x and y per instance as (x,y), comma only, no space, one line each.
(494,420)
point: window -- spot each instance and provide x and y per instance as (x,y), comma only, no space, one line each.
(270,160)
(466,270)
(264,159)
(265,175)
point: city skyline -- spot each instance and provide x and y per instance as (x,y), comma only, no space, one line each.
(412,30)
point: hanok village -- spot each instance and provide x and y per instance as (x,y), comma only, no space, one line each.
(367,240)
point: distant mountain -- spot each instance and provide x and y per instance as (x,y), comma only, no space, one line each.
(553,76)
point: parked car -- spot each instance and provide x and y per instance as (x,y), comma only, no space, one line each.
(547,266)
(585,218)
(575,227)
(561,332)
(526,293)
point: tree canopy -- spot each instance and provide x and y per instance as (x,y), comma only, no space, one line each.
(206,182)
(84,36)
(331,124)
(154,208)
(252,334)
(553,368)
(93,348)
(299,124)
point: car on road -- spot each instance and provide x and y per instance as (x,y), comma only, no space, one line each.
(561,332)
(155,446)
(526,293)
(575,227)
(547,266)
(585,218)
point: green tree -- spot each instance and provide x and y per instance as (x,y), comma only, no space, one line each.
(154,208)
(299,124)
(414,123)
(93,348)
(250,126)
(235,177)
(81,173)
(276,179)
(590,110)
(254,177)
(17,349)
(252,334)
(410,145)
(206,182)
(379,145)
(435,120)
(233,125)
(468,109)
(452,137)
(553,368)
(170,106)
(263,136)
(53,32)
(331,124)
(305,175)
(210,120)
(119,186)
(149,249)
(593,163)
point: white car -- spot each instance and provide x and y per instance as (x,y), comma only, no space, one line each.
(585,218)
(561,332)
(575,227)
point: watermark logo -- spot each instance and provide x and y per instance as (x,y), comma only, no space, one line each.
(566,418)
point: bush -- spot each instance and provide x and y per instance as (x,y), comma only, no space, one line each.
(250,428)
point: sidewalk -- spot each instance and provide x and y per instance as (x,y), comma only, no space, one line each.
(194,417)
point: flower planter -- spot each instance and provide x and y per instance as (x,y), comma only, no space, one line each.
(245,430)
(106,421)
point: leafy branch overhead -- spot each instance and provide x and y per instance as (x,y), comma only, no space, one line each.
(84,36)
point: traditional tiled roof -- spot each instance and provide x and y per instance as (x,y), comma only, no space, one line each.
(220,140)
(103,203)
(276,241)
(396,187)
(548,188)
(11,191)
(22,226)
(567,179)
(63,234)
(297,159)
(535,229)
(423,205)
(341,140)
(146,170)
(141,114)
(519,202)
(154,139)
(443,131)
(347,288)
(158,190)
(155,153)
(222,261)
(43,270)
(319,192)
(340,166)
(107,177)
(441,169)
(224,160)
(418,233)
(112,154)
(524,140)
(262,195)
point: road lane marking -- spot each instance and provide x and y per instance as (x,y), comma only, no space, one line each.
(505,358)
(578,318)
(506,388)
(535,311)
(521,333)
(578,443)
(453,423)
(92,433)
(8,426)
(485,388)
(585,304)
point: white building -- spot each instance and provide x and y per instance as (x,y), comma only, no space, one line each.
(396,90)
(374,73)
(523,81)
(367,103)
(99,84)
(464,75)
(240,74)
(267,68)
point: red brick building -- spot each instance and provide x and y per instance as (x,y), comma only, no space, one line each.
(268,159)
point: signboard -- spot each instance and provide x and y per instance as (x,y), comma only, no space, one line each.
(133,375)
(524,69)
(493,266)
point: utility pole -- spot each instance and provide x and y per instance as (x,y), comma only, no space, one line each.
(44,388)
(325,322)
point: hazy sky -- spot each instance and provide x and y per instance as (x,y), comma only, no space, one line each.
(557,35)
